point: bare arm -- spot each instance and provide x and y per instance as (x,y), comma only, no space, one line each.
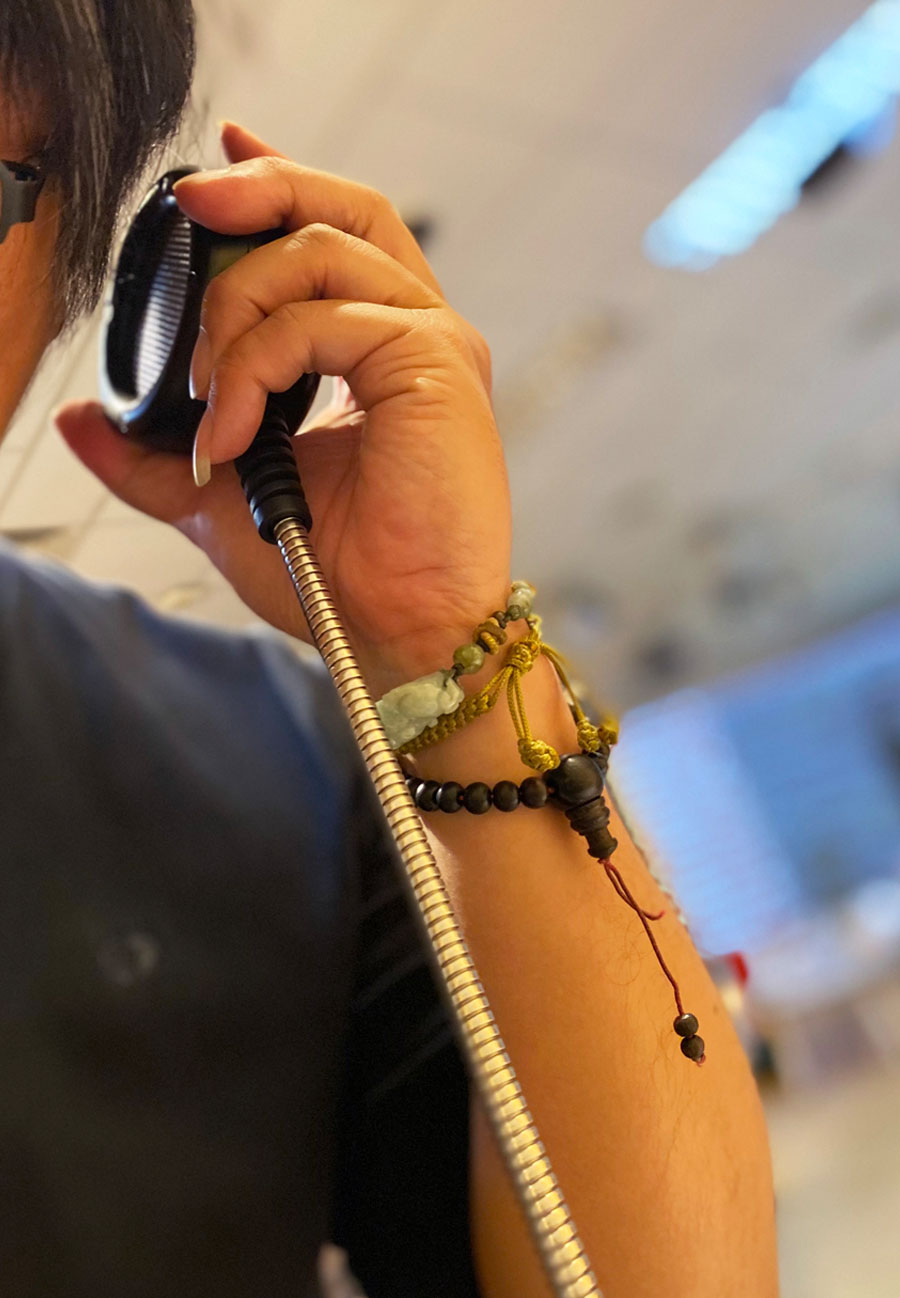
(664,1164)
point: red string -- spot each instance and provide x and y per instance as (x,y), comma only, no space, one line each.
(644,916)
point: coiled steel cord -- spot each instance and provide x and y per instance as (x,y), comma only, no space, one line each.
(542,1200)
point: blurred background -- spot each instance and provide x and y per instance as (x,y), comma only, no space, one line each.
(678,227)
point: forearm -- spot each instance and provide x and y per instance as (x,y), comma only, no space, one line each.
(664,1164)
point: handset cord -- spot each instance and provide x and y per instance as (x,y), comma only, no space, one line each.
(271,482)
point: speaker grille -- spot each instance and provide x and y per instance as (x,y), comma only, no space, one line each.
(165,307)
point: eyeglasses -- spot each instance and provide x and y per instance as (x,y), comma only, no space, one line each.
(20,185)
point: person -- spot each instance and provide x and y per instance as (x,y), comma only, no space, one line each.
(222,1042)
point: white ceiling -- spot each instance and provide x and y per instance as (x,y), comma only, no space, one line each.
(706,468)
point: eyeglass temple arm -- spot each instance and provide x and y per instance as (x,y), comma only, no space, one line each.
(19,189)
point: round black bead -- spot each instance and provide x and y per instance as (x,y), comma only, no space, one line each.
(477,798)
(426,795)
(412,783)
(693,1047)
(577,779)
(533,792)
(449,796)
(686,1025)
(506,795)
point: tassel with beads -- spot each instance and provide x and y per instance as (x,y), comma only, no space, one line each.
(576,785)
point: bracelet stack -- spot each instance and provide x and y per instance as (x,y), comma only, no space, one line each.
(427,710)
(410,709)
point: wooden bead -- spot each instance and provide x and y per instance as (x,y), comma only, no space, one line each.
(426,795)
(577,779)
(477,798)
(449,796)
(505,795)
(533,792)
(693,1047)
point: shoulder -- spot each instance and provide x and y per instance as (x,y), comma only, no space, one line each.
(61,627)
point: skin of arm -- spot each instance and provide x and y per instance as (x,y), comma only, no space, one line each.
(664,1164)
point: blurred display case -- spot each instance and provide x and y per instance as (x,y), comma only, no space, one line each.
(769,802)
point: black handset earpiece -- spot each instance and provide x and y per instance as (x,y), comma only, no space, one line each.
(149,330)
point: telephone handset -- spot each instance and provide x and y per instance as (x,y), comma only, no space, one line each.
(149,330)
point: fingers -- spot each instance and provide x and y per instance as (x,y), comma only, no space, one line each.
(349,252)
(261,193)
(264,189)
(317,261)
(240,143)
(385,353)
(154,482)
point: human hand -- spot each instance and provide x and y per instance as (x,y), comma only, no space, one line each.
(404,472)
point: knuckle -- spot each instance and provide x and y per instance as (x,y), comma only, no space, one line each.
(374,198)
(239,358)
(224,303)
(377,207)
(442,324)
(232,361)
(267,165)
(215,299)
(484,360)
(450,329)
(293,313)
(480,347)
(316,233)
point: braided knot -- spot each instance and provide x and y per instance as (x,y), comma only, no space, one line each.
(538,755)
(588,736)
(523,655)
(609,730)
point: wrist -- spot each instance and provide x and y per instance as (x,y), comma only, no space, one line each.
(431,649)
(487,748)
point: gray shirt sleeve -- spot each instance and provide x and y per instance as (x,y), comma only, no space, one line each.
(222,1041)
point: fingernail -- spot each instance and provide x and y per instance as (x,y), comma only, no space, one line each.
(198,382)
(200,178)
(202,443)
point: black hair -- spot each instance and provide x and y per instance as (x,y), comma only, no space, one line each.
(112,78)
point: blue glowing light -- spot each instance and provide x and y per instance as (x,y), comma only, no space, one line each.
(846,97)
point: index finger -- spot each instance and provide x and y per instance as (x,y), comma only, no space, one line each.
(267,190)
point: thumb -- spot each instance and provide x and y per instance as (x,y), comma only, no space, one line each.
(155,482)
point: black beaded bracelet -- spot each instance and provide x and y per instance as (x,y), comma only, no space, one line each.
(478,797)
(576,786)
